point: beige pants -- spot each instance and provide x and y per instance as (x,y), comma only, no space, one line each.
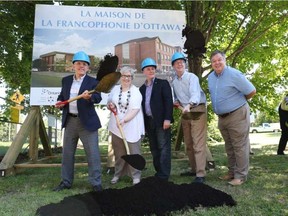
(195,139)
(235,131)
(121,167)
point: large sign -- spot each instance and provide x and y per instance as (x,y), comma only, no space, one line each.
(131,34)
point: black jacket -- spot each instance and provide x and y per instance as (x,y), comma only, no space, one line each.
(86,109)
(161,102)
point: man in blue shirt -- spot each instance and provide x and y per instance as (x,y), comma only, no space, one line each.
(189,95)
(230,90)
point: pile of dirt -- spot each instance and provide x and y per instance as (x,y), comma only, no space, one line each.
(151,196)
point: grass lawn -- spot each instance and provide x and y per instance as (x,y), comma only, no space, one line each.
(265,192)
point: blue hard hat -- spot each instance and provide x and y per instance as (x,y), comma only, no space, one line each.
(176,56)
(148,62)
(81,56)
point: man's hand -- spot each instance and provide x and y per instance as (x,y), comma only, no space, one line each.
(166,124)
(59,106)
(186,108)
(86,95)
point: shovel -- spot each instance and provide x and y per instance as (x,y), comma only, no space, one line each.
(134,160)
(104,85)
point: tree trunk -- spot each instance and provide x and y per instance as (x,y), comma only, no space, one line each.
(194,13)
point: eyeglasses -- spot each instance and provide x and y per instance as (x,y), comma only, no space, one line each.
(126,76)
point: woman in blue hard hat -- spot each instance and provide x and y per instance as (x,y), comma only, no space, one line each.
(189,95)
(80,120)
(157,107)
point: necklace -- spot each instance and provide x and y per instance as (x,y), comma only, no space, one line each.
(123,107)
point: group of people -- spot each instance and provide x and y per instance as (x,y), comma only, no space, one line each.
(150,109)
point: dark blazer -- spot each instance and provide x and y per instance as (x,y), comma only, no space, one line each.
(86,109)
(161,102)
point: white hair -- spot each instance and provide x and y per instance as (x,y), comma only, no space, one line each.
(128,69)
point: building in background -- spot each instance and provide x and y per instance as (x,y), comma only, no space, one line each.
(59,61)
(131,53)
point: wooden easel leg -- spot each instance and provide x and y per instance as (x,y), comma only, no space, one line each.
(17,144)
(33,141)
(34,126)
(44,137)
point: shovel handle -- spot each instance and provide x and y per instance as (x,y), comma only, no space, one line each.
(114,111)
(73,99)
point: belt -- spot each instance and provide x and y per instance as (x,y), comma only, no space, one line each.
(73,115)
(227,114)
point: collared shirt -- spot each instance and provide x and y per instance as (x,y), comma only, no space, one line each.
(148,97)
(228,90)
(74,91)
(187,89)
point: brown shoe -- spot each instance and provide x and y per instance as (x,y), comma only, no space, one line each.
(236,182)
(226,177)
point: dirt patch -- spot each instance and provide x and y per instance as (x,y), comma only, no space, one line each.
(151,196)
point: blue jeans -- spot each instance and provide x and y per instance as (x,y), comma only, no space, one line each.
(160,147)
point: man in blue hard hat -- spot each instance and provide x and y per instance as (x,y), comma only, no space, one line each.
(80,120)
(157,105)
(189,95)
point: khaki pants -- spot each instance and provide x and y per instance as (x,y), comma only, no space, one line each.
(195,139)
(121,167)
(235,131)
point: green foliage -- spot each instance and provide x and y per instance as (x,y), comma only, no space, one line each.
(263,117)
(252,33)
(17,20)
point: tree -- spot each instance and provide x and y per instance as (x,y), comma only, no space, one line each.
(16,41)
(254,36)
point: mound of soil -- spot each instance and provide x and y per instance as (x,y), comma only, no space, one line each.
(151,196)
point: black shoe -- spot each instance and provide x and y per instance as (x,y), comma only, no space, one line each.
(188,173)
(61,187)
(199,180)
(97,188)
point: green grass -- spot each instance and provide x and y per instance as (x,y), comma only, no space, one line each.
(265,192)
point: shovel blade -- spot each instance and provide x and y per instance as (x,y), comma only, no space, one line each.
(135,160)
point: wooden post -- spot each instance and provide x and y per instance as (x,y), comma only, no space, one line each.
(33,141)
(16,146)
(44,137)
(32,125)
